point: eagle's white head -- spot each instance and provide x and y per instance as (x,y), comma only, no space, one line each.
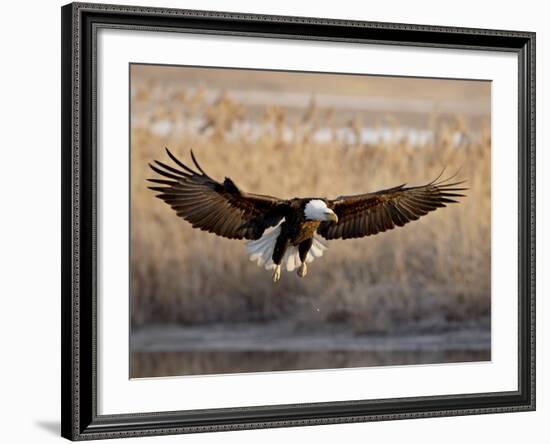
(316,209)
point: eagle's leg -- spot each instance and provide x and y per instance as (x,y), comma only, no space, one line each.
(278,253)
(303,250)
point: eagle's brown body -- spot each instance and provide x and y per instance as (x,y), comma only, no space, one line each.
(305,231)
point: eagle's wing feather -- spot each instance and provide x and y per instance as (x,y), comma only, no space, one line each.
(371,213)
(219,208)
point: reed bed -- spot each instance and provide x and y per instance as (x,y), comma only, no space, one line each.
(431,275)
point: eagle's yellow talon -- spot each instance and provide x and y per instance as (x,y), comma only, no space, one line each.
(302,270)
(277,273)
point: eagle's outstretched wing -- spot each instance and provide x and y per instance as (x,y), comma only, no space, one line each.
(219,208)
(371,213)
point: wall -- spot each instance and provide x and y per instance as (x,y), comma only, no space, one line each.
(30,234)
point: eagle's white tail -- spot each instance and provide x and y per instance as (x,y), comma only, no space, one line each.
(261,250)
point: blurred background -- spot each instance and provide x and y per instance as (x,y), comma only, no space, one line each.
(414,295)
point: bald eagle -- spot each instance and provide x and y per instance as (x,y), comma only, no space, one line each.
(291,232)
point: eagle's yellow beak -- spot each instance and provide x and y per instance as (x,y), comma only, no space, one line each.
(331,215)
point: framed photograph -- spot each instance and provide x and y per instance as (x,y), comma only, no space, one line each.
(280,221)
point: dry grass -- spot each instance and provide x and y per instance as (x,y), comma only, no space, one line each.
(430,275)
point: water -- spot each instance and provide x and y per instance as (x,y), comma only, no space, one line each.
(242,348)
(155,364)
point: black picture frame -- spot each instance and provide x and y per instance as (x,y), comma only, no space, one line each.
(80,419)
